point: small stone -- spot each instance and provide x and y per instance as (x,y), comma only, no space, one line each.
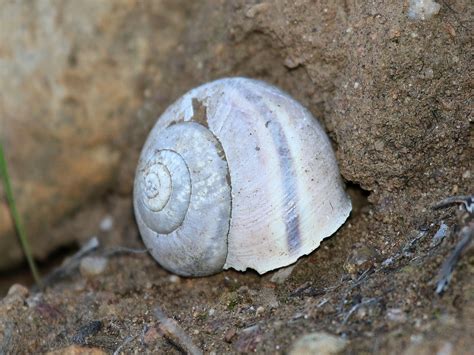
(18,289)
(428,347)
(423,9)
(151,335)
(229,335)
(320,343)
(291,62)
(174,279)
(282,274)
(258,9)
(360,259)
(93,265)
(428,73)
(379,145)
(259,311)
(211,312)
(77,350)
(16,296)
(396,315)
(248,339)
(34,300)
(106,224)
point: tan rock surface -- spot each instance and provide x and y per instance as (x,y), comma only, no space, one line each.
(71,83)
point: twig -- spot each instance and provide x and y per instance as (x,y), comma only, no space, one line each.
(440,234)
(122,250)
(411,243)
(467,234)
(467,201)
(356,307)
(175,334)
(71,264)
(125,342)
(16,217)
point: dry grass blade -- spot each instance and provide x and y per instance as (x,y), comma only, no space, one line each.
(16,217)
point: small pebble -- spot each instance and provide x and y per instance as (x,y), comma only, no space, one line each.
(92,265)
(16,296)
(258,9)
(396,315)
(259,311)
(34,300)
(151,335)
(106,224)
(17,289)
(423,9)
(229,335)
(77,350)
(174,279)
(360,259)
(211,312)
(282,274)
(320,343)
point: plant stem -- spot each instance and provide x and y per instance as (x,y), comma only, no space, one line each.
(16,217)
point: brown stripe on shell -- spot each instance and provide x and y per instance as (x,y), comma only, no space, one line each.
(288,173)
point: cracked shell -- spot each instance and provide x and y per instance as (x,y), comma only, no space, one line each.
(236,174)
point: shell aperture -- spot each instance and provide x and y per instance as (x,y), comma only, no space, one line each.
(267,192)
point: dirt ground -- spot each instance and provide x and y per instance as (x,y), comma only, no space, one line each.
(380,299)
(394,96)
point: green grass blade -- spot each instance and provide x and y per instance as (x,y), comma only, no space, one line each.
(16,217)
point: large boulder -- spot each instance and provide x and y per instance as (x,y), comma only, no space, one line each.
(73,76)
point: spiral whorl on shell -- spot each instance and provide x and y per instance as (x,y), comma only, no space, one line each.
(236,174)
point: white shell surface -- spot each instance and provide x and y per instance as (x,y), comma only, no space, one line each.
(285,189)
(185,233)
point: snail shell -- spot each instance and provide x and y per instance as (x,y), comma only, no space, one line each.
(236,174)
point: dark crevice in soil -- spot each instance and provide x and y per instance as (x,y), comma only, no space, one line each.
(359,197)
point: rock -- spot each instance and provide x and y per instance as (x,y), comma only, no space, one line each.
(72,79)
(92,265)
(107,223)
(77,350)
(248,339)
(260,310)
(360,259)
(17,289)
(423,9)
(16,296)
(280,276)
(151,336)
(396,315)
(320,343)
(230,334)
(428,347)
